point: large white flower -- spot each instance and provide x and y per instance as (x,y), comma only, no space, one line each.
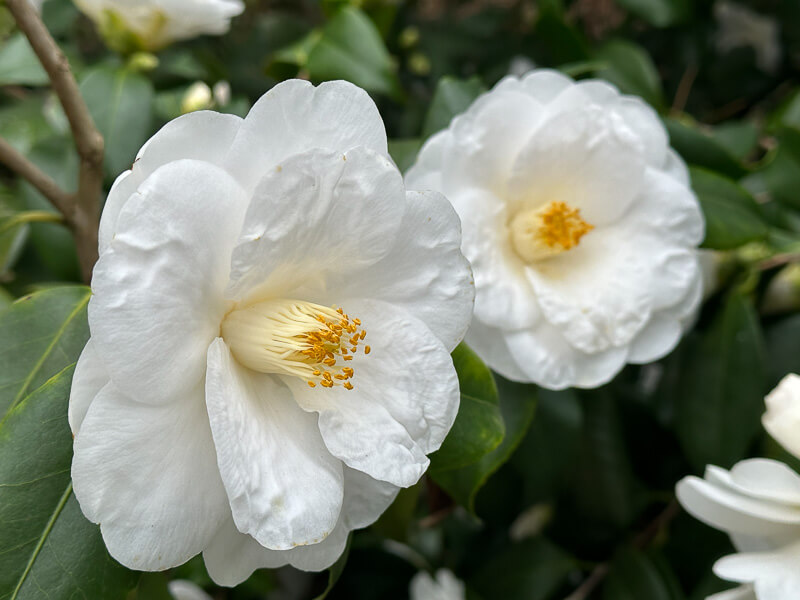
(271,322)
(153,24)
(580,225)
(757,503)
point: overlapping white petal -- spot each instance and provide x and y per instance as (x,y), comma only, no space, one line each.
(620,282)
(287,214)
(782,419)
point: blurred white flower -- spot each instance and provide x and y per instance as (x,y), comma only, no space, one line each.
(152,24)
(757,503)
(222,93)
(180,589)
(197,97)
(739,26)
(446,586)
(224,404)
(580,225)
(743,592)
(782,418)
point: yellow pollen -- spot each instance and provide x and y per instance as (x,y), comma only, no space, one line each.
(292,337)
(547,231)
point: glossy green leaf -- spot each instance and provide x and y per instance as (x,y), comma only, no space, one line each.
(659,13)
(350,47)
(517,404)
(630,68)
(633,574)
(48,550)
(732,215)
(532,570)
(452,97)
(121,103)
(781,172)
(721,388)
(700,148)
(478,428)
(41,334)
(19,64)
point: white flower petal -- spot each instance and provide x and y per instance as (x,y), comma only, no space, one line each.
(774,574)
(387,430)
(486,342)
(782,419)
(587,158)
(201,135)
(233,556)
(732,511)
(426,172)
(321,212)
(446,586)
(545,84)
(767,479)
(181,589)
(89,378)
(148,475)
(284,487)
(424,271)
(158,291)
(295,117)
(656,339)
(743,592)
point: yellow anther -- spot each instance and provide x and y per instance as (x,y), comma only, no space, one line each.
(292,337)
(547,231)
(367,349)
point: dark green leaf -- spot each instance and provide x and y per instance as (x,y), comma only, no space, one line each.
(478,428)
(452,97)
(121,103)
(517,404)
(634,575)
(532,570)
(721,387)
(699,148)
(631,69)
(351,48)
(660,13)
(41,334)
(48,550)
(732,215)
(781,172)
(335,572)
(404,152)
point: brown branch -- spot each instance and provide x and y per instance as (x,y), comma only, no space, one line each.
(641,541)
(37,178)
(82,213)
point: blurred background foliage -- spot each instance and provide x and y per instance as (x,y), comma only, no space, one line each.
(534,490)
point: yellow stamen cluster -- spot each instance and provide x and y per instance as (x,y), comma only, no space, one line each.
(561,226)
(298,338)
(546,231)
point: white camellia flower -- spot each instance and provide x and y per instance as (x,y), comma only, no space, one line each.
(446,586)
(152,24)
(580,225)
(271,325)
(181,589)
(782,419)
(758,504)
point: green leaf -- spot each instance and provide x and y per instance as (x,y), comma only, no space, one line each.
(47,547)
(42,333)
(700,148)
(120,101)
(631,69)
(781,171)
(350,47)
(721,387)
(532,570)
(19,64)
(634,575)
(732,215)
(452,97)
(478,428)
(659,13)
(783,347)
(335,572)
(517,404)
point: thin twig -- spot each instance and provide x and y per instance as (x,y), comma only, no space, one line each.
(779,260)
(37,178)
(82,214)
(684,87)
(641,541)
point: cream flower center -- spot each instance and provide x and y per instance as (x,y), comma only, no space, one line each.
(293,337)
(547,231)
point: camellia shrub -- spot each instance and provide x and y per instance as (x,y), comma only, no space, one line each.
(399,299)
